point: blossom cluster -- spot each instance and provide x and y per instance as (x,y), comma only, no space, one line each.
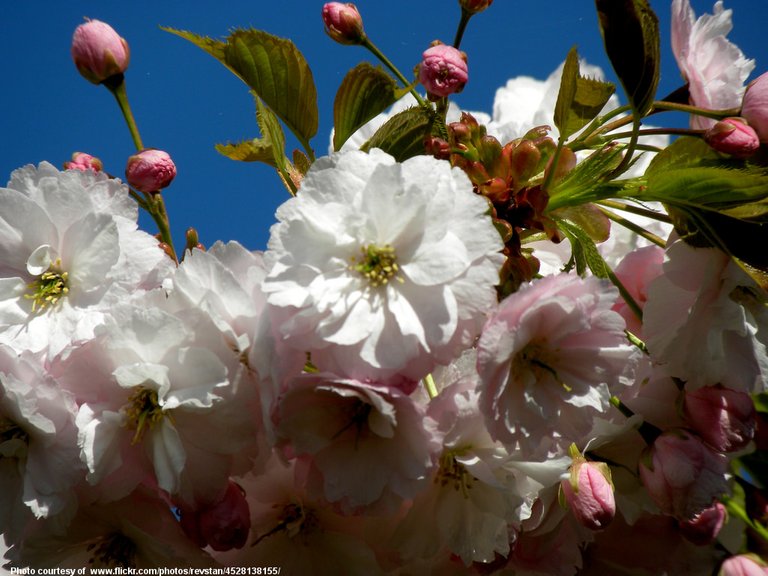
(419,375)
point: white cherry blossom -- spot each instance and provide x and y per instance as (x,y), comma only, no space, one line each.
(382,269)
(69,249)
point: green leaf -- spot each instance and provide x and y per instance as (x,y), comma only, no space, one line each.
(268,149)
(402,136)
(580,99)
(255,150)
(273,132)
(761,402)
(274,69)
(586,182)
(365,92)
(215,48)
(588,218)
(301,162)
(688,173)
(630,32)
(586,246)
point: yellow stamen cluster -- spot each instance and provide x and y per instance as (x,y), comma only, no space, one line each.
(377,264)
(453,473)
(143,411)
(114,550)
(48,288)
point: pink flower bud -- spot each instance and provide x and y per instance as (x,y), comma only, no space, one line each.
(733,136)
(724,418)
(443,70)
(743,565)
(223,525)
(703,528)
(682,475)
(82,161)
(150,170)
(98,51)
(589,494)
(754,107)
(474,6)
(343,23)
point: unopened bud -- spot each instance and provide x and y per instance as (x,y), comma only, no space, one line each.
(722,417)
(743,565)
(443,71)
(703,528)
(343,23)
(437,147)
(474,6)
(98,51)
(733,136)
(525,162)
(754,107)
(150,170)
(682,475)
(588,492)
(82,161)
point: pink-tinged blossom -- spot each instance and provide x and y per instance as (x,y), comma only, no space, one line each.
(704,527)
(723,418)
(139,531)
(69,251)
(550,358)
(683,475)
(588,492)
(83,161)
(365,446)
(382,269)
(705,321)
(98,51)
(754,107)
(743,565)
(150,170)
(343,22)
(733,136)
(38,444)
(443,70)
(714,68)
(156,405)
(636,271)
(474,480)
(301,534)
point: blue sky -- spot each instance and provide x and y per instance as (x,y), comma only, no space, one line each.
(185,102)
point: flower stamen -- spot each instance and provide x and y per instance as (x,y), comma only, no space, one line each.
(143,412)
(48,288)
(454,473)
(377,265)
